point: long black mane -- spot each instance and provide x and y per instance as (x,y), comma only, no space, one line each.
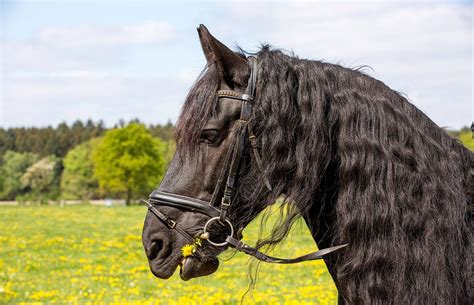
(398,184)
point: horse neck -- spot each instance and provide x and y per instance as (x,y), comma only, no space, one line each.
(321,218)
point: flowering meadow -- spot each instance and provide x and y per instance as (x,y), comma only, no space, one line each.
(93,255)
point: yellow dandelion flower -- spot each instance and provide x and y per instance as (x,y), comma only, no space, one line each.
(187,250)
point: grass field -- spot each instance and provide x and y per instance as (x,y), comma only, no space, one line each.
(93,255)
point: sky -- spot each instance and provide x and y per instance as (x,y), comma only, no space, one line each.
(111,60)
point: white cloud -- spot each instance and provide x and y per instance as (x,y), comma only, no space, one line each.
(188,75)
(81,47)
(148,32)
(79,72)
(423,50)
(35,56)
(82,95)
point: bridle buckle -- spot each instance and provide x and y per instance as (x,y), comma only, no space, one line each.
(247,97)
(171,224)
(224,202)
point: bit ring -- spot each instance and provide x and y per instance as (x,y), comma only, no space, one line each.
(209,239)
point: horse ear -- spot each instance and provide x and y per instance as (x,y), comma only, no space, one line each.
(234,68)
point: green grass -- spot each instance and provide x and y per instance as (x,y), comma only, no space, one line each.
(93,255)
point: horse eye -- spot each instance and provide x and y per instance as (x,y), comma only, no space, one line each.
(209,136)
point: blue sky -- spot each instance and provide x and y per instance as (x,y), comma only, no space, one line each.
(68,60)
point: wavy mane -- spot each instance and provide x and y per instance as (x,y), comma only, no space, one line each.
(397,185)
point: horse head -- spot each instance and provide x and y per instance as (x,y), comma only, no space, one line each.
(213,167)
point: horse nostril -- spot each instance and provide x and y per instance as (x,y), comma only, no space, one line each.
(156,246)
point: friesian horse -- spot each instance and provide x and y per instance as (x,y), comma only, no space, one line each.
(358,162)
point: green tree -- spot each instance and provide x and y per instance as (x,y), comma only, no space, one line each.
(128,161)
(78,180)
(467,138)
(13,167)
(164,132)
(42,178)
(2,180)
(464,135)
(167,151)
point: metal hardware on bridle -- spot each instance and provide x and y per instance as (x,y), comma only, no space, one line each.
(227,221)
(231,164)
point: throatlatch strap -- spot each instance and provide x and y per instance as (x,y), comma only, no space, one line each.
(256,155)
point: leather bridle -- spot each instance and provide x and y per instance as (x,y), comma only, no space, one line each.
(242,130)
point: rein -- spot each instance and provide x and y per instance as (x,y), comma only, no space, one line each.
(231,164)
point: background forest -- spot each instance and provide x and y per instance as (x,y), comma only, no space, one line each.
(83,161)
(86,161)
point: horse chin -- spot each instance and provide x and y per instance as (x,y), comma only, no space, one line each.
(162,272)
(192,267)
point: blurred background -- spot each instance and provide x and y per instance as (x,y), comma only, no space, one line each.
(83,84)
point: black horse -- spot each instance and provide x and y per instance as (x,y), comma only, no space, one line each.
(354,158)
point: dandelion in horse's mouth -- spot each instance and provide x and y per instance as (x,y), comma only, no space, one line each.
(187,250)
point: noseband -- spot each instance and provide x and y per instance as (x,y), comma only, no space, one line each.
(242,131)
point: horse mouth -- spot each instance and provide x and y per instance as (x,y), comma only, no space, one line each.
(189,267)
(192,267)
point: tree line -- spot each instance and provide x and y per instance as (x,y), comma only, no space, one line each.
(59,140)
(83,161)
